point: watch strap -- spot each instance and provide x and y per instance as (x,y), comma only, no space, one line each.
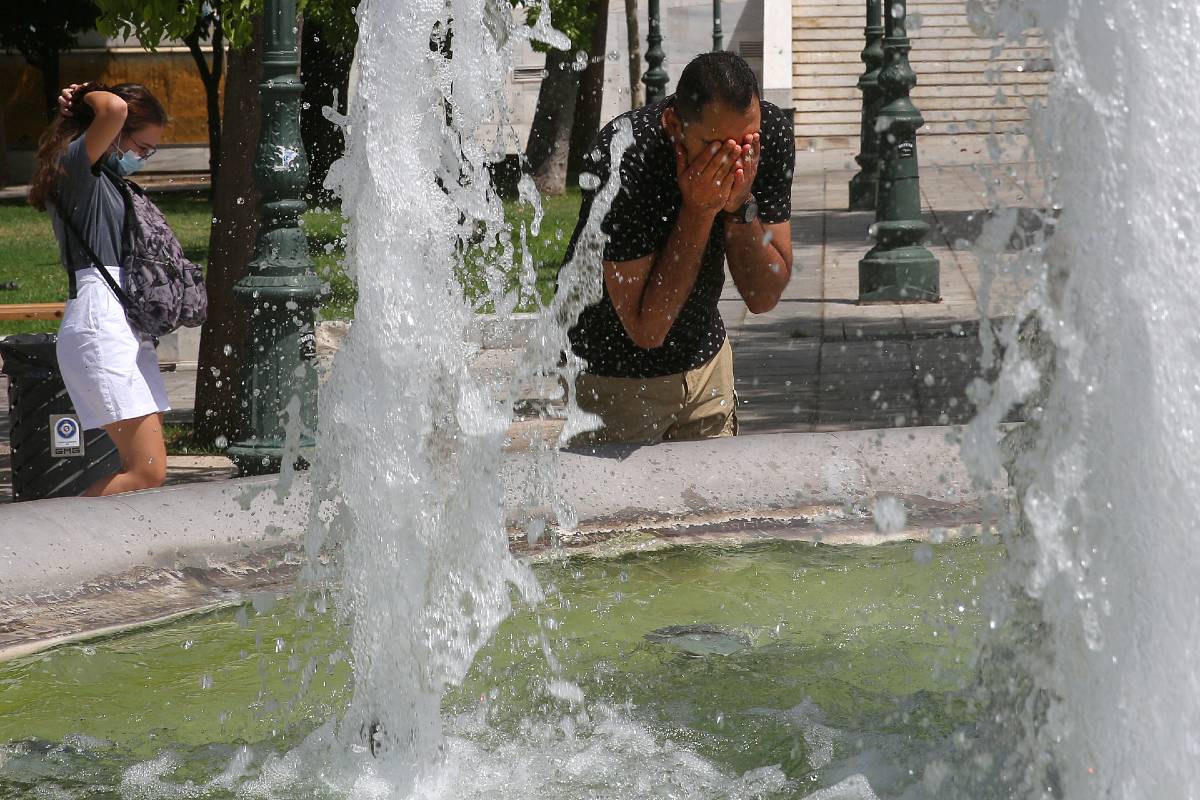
(745,213)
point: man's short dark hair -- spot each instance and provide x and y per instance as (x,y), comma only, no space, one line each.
(720,77)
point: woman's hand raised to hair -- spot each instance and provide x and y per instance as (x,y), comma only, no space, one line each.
(65,97)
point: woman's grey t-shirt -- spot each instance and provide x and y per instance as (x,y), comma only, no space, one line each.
(94,204)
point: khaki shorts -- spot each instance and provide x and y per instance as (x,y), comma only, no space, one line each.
(698,404)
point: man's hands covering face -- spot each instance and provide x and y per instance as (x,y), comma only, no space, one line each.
(708,181)
(749,155)
(721,176)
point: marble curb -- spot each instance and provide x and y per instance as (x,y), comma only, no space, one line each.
(50,547)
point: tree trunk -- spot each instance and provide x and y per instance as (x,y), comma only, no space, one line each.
(3,150)
(589,102)
(550,135)
(212,99)
(50,83)
(325,70)
(637,91)
(231,246)
(210,77)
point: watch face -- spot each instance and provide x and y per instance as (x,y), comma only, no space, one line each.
(747,212)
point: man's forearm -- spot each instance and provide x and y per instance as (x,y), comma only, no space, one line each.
(674,274)
(757,263)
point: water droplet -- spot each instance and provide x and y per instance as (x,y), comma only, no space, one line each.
(890,514)
(221,442)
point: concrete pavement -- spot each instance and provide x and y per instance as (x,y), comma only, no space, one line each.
(819,361)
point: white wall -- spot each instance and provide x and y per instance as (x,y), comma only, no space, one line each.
(687,32)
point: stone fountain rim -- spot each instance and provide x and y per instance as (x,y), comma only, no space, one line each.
(218,542)
(53,545)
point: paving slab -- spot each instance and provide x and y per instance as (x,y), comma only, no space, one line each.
(818,361)
(821,361)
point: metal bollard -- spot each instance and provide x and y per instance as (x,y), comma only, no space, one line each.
(865,184)
(656,77)
(898,267)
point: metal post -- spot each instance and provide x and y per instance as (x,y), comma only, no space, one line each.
(281,291)
(898,267)
(864,185)
(718,35)
(656,77)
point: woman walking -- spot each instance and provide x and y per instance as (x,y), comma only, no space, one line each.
(110,369)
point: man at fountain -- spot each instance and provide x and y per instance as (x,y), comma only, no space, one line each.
(706,180)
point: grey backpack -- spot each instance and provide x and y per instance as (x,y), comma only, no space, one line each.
(162,289)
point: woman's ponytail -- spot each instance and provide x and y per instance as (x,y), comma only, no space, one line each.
(51,146)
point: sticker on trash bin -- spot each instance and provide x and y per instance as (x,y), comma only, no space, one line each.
(66,438)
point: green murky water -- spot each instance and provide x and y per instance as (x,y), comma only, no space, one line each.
(822,660)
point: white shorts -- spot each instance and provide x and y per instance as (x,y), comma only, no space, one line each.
(110,369)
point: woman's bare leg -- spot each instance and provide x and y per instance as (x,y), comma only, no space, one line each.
(143,456)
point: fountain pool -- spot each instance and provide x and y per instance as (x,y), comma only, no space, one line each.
(772,670)
(847,661)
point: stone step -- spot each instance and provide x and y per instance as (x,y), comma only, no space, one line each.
(1010,74)
(843,136)
(957,71)
(929,106)
(997,67)
(497,367)
(977,56)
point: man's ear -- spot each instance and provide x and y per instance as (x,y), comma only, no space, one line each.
(672,125)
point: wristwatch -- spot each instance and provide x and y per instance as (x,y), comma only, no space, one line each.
(746,214)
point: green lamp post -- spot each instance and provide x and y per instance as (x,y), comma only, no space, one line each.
(281,291)
(656,77)
(865,184)
(718,34)
(898,267)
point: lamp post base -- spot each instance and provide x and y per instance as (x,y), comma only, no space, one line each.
(863,188)
(901,274)
(265,458)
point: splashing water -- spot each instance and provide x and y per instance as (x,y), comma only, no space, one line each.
(1109,472)
(410,442)
(1103,559)
(407,477)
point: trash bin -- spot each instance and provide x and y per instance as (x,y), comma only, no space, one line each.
(51,456)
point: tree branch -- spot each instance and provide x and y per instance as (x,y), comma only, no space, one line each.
(192,40)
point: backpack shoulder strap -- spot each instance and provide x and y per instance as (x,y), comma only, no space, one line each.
(70,228)
(127,188)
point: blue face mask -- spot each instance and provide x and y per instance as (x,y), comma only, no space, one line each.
(125,163)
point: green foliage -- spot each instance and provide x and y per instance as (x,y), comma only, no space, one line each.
(573,17)
(40,29)
(152,21)
(339,28)
(30,253)
(182,440)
